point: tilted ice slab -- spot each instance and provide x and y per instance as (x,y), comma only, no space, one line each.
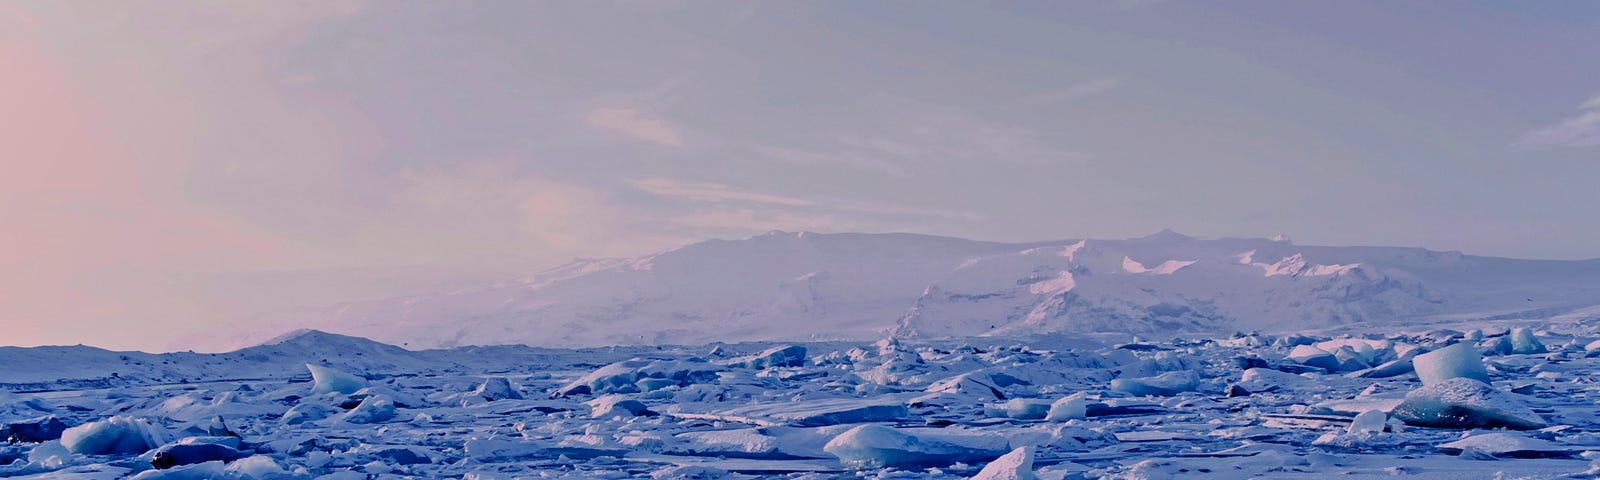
(1465,403)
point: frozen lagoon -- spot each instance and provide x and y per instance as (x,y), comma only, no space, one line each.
(941,409)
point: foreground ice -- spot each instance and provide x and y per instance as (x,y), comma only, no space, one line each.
(1465,403)
(1053,407)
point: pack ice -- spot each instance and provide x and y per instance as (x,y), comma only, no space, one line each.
(1430,402)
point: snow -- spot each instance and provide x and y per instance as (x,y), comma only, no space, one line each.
(1455,361)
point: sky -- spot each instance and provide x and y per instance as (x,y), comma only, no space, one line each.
(171,167)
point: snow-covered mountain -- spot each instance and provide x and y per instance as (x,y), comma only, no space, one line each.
(797,286)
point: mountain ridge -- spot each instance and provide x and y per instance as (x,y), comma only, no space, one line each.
(855,286)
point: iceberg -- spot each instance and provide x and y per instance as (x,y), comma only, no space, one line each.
(617,377)
(1455,361)
(784,356)
(1018,408)
(113,436)
(877,446)
(1314,357)
(373,409)
(1017,465)
(1258,380)
(1163,385)
(41,429)
(326,380)
(614,406)
(1465,403)
(1523,342)
(1072,407)
(496,388)
(1368,422)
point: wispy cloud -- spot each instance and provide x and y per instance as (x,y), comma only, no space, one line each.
(727,207)
(1072,92)
(635,124)
(711,192)
(1582,130)
(903,137)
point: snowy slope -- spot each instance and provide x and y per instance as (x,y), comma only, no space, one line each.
(801,286)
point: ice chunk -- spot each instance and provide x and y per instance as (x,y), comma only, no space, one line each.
(41,429)
(1592,349)
(616,406)
(1163,385)
(1369,350)
(1523,342)
(327,380)
(877,446)
(689,472)
(258,467)
(113,436)
(1257,380)
(1506,444)
(1314,357)
(1311,356)
(305,412)
(199,471)
(176,454)
(1455,361)
(373,409)
(1393,368)
(784,356)
(1071,407)
(496,388)
(1349,360)
(49,455)
(653,384)
(1018,408)
(769,443)
(1465,403)
(1368,422)
(614,378)
(968,384)
(1017,465)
